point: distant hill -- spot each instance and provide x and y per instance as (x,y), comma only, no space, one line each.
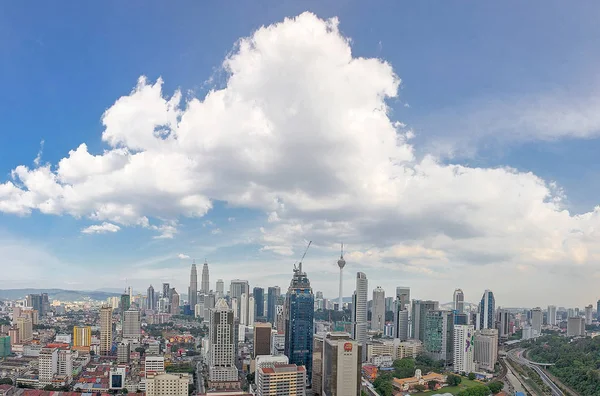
(57,294)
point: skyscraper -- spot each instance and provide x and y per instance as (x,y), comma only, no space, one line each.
(401,313)
(105,330)
(403,296)
(439,335)
(205,286)
(463,348)
(166,295)
(150,298)
(485,349)
(378,310)
(131,325)
(244,312)
(193,289)
(259,303)
(419,316)
(236,289)
(174,302)
(341,365)
(588,314)
(503,319)
(536,321)
(220,288)
(552,315)
(82,336)
(486,310)
(298,321)
(459,301)
(262,339)
(281,379)
(341,263)
(359,312)
(222,344)
(272,294)
(575,327)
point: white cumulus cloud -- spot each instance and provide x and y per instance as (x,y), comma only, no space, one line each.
(101,228)
(183,256)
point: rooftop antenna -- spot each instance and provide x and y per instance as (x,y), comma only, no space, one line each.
(302,259)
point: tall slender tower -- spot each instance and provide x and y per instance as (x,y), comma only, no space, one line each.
(205,286)
(299,321)
(193,290)
(359,313)
(222,343)
(150,298)
(459,301)
(341,263)
(378,309)
(105,330)
(486,310)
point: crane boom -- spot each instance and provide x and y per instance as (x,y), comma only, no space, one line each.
(304,255)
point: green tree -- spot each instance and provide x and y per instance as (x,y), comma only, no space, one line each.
(453,380)
(250,378)
(472,376)
(124,391)
(477,390)
(5,381)
(140,350)
(432,384)
(495,386)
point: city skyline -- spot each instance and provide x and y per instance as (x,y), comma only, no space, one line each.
(482,169)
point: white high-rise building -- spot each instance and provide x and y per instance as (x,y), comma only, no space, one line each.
(359,312)
(222,344)
(154,364)
(588,314)
(503,318)
(459,301)
(193,289)
(48,365)
(552,315)
(378,310)
(244,309)
(65,363)
(251,311)
(164,384)
(575,327)
(486,349)
(236,289)
(536,321)
(205,285)
(463,348)
(220,289)
(341,263)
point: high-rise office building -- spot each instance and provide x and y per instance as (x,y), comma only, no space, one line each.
(342,363)
(463,348)
(503,320)
(262,339)
(205,286)
(236,289)
(575,327)
(174,302)
(5,346)
(283,379)
(65,363)
(123,352)
(551,315)
(317,362)
(486,310)
(588,314)
(259,303)
(359,312)
(82,336)
(193,289)
(341,264)
(299,321)
(25,326)
(272,294)
(419,313)
(35,301)
(47,365)
(150,298)
(389,304)
(403,296)
(439,335)
(244,311)
(106,329)
(485,349)
(536,321)
(131,325)
(220,289)
(125,302)
(378,310)
(401,324)
(222,344)
(458,301)
(251,310)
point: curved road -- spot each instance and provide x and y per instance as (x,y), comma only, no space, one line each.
(517,356)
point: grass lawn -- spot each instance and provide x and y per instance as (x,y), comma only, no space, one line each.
(466,383)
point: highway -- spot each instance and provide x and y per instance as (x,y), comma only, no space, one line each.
(517,356)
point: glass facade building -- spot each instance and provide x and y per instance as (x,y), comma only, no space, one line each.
(298,322)
(259,302)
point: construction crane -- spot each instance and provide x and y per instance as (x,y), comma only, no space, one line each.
(302,259)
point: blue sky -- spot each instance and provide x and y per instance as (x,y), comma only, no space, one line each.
(485,86)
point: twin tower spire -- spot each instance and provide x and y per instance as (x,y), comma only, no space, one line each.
(204,285)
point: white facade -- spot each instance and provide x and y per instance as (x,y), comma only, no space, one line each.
(65,363)
(588,314)
(552,315)
(378,310)
(458,301)
(341,366)
(395,348)
(251,311)
(167,384)
(536,321)
(463,348)
(286,379)
(270,361)
(222,343)
(154,364)
(359,311)
(48,365)
(486,349)
(575,327)
(132,329)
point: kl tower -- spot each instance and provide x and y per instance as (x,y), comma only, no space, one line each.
(341,263)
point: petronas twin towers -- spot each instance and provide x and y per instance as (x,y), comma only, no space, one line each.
(204,286)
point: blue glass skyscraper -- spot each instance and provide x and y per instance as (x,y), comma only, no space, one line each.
(272,295)
(299,314)
(486,311)
(259,302)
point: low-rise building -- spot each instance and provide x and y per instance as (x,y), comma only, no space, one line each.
(287,379)
(167,384)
